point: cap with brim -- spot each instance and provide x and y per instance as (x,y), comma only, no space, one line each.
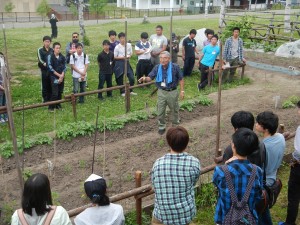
(94,185)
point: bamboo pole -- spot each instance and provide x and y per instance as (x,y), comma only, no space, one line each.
(127,90)
(95,139)
(138,202)
(6,81)
(217,152)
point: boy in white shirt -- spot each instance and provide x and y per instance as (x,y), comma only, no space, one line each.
(120,56)
(79,62)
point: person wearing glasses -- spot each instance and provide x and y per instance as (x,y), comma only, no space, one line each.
(71,46)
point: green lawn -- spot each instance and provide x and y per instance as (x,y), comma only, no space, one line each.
(22,45)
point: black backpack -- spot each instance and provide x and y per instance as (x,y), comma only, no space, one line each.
(239,212)
(84,57)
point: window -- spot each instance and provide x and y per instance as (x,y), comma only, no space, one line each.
(155,2)
(177,2)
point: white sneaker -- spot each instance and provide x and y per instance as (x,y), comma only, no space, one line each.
(133,93)
(2,120)
(123,94)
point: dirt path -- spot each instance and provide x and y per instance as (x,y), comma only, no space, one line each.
(138,145)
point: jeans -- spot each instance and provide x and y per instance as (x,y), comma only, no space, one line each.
(293,195)
(232,62)
(120,81)
(46,86)
(102,79)
(167,98)
(188,66)
(57,90)
(265,218)
(79,85)
(3,103)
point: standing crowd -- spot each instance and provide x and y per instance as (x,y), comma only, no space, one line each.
(250,166)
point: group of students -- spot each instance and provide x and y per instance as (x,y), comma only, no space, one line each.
(112,58)
(248,165)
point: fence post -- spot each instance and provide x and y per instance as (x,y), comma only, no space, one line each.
(29,17)
(16,16)
(73,98)
(243,71)
(138,201)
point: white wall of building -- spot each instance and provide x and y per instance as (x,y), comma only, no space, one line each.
(26,5)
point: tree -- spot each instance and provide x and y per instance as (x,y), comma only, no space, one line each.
(43,9)
(80,18)
(96,6)
(287,17)
(222,14)
(9,7)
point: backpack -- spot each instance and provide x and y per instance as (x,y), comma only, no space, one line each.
(47,220)
(84,57)
(239,212)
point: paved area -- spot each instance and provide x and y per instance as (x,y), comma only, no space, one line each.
(130,20)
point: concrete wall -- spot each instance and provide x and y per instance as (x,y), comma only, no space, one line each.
(26,5)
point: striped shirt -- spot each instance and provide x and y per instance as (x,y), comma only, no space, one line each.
(240,172)
(227,54)
(173,178)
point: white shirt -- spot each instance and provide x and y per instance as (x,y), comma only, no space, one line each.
(111,214)
(79,63)
(60,217)
(146,47)
(120,50)
(296,153)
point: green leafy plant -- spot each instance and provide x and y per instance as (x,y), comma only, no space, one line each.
(67,168)
(55,198)
(204,100)
(6,149)
(206,196)
(290,102)
(245,25)
(188,105)
(8,209)
(82,164)
(270,47)
(72,130)
(26,174)
(130,218)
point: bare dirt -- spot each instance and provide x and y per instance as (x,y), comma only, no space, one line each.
(138,145)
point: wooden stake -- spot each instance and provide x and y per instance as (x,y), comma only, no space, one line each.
(95,139)
(219,103)
(138,202)
(127,91)
(6,81)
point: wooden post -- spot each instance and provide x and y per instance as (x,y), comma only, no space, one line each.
(219,103)
(6,81)
(138,201)
(209,76)
(127,91)
(73,98)
(243,71)
(171,41)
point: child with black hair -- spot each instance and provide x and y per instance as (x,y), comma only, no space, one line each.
(112,40)
(294,179)
(105,61)
(143,51)
(209,34)
(37,205)
(266,124)
(244,142)
(101,211)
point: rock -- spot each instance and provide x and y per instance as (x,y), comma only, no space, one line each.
(289,49)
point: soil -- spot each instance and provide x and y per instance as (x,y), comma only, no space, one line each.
(138,145)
